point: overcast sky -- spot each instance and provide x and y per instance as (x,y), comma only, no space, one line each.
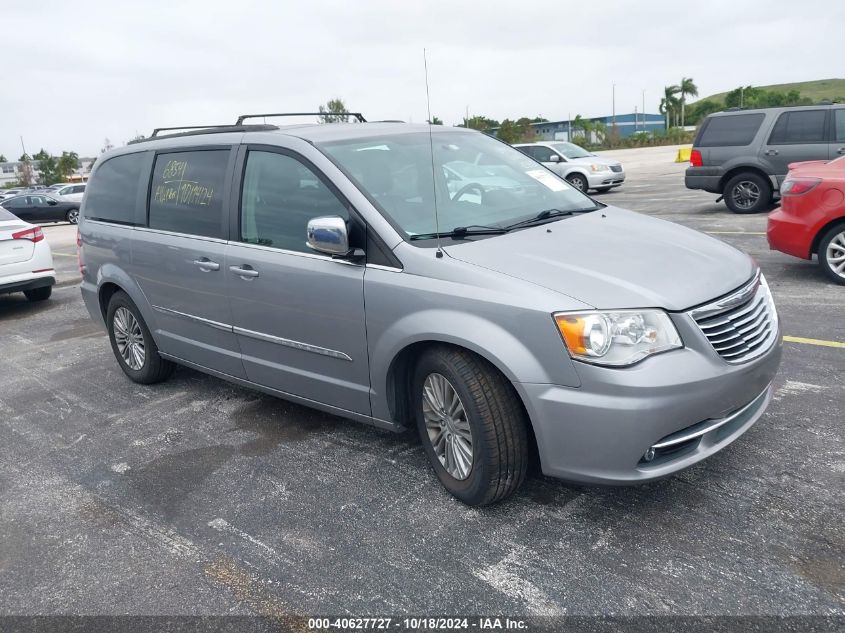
(78,72)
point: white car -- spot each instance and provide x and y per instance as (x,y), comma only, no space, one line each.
(70,193)
(584,170)
(26,262)
(5,194)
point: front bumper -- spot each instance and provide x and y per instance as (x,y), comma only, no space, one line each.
(600,432)
(603,179)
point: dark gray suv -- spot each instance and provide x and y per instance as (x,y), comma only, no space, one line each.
(744,155)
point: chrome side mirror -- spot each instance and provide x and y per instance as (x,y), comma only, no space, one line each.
(328,234)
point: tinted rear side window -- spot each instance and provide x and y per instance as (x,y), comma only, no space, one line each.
(801,126)
(113,190)
(187,192)
(725,131)
(839,126)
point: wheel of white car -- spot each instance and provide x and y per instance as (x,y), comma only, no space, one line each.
(578,181)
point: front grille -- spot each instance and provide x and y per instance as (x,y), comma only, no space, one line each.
(741,326)
(616,168)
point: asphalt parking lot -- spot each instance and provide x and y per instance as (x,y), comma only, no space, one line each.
(199,497)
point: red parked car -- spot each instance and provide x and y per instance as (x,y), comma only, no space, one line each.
(811,218)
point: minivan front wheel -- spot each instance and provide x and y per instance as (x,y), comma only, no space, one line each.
(472,425)
(747,193)
(579,181)
(132,343)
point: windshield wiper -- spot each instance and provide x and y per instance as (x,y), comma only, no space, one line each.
(548,215)
(463,231)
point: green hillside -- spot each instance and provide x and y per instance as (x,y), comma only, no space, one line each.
(814,90)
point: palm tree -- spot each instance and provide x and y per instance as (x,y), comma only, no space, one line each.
(687,87)
(669,103)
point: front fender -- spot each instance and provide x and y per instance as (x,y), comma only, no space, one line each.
(490,340)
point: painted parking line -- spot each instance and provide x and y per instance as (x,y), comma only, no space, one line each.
(812,341)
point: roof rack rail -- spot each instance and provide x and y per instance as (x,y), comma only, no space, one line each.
(192,130)
(357,115)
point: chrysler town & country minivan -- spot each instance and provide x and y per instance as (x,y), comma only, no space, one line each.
(334,266)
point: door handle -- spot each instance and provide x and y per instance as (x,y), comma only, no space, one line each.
(771,152)
(206,265)
(841,150)
(244,273)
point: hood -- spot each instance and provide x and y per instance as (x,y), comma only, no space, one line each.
(613,259)
(597,160)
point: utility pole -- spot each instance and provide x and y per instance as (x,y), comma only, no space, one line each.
(614,105)
(644,121)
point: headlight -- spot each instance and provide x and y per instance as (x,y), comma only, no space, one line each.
(595,167)
(617,337)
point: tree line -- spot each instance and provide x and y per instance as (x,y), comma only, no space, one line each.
(51,169)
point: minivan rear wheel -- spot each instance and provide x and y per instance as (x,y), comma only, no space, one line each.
(472,425)
(747,193)
(832,253)
(132,343)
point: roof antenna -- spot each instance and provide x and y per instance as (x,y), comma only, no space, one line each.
(439,252)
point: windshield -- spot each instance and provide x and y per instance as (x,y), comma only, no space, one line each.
(477,180)
(571,150)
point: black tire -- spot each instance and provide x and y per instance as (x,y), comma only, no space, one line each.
(496,419)
(579,181)
(740,190)
(39,294)
(72,216)
(154,368)
(836,232)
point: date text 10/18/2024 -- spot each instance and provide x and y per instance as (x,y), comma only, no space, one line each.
(417,624)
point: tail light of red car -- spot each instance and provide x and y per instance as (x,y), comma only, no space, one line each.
(695,159)
(798,186)
(35,234)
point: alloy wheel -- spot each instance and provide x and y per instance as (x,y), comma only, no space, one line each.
(73,216)
(835,254)
(746,194)
(447,425)
(129,338)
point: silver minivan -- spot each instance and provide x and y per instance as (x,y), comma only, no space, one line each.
(509,319)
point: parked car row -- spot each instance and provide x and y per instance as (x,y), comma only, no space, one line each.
(67,191)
